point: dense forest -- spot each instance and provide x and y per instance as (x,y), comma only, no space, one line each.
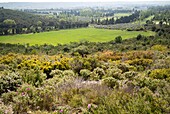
(121,76)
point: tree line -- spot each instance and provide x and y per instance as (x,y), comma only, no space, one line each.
(17,22)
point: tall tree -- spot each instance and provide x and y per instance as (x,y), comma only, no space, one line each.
(9,24)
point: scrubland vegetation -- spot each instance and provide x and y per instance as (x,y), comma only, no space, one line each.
(71,35)
(123,73)
(87,77)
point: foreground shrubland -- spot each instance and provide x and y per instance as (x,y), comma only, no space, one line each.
(131,76)
(105,82)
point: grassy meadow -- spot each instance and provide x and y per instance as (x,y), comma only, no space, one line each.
(71,35)
(121,14)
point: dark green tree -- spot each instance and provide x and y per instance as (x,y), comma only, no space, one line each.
(118,39)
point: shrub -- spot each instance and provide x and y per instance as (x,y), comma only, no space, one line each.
(21,100)
(159,48)
(154,84)
(157,104)
(10,82)
(68,74)
(142,81)
(109,55)
(63,64)
(121,102)
(34,52)
(3,67)
(160,74)
(123,67)
(82,50)
(58,111)
(153,28)
(130,74)
(160,33)
(118,39)
(76,101)
(80,93)
(114,72)
(34,77)
(139,37)
(161,63)
(47,98)
(143,63)
(129,29)
(97,74)
(53,81)
(109,81)
(56,72)
(85,73)
(5,109)
(76,64)
(29,98)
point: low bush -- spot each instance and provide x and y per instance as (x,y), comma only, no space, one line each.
(141,64)
(110,82)
(97,74)
(160,74)
(4,109)
(10,82)
(85,73)
(139,37)
(56,72)
(34,77)
(29,98)
(118,39)
(114,72)
(159,48)
(130,74)
(3,67)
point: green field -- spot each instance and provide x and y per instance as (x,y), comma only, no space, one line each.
(122,14)
(117,16)
(144,21)
(71,35)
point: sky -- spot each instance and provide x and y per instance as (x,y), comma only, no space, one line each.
(76,0)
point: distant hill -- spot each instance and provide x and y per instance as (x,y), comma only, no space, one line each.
(18,22)
(49,5)
(22,18)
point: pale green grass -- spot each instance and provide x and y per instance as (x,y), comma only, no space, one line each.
(144,21)
(71,35)
(117,16)
(122,14)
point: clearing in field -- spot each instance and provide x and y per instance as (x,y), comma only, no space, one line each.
(71,35)
(116,16)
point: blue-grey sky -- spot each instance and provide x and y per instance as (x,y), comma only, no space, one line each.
(76,0)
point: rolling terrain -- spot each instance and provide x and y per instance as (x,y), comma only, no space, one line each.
(92,60)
